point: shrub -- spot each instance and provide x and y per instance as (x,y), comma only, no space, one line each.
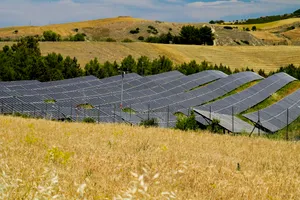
(51,101)
(127,40)
(58,156)
(89,120)
(228,27)
(214,126)
(253,28)
(17,114)
(78,37)
(141,38)
(237,42)
(136,31)
(291,28)
(187,123)
(51,36)
(170,29)
(16,32)
(152,30)
(76,30)
(149,122)
(245,42)
(110,40)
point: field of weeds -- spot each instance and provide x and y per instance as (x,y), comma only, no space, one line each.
(43,160)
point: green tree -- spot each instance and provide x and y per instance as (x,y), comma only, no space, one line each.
(143,66)
(128,64)
(51,36)
(253,28)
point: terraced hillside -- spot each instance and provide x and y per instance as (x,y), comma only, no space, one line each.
(44,160)
(266,57)
(283,32)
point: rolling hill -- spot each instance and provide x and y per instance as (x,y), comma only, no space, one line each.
(230,48)
(44,160)
(260,57)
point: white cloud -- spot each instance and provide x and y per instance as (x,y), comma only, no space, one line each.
(21,12)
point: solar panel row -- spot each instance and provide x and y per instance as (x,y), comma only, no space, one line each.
(278,115)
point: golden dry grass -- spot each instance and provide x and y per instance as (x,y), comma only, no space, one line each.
(259,57)
(44,159)
(67,28)
(270,25)
(293,34)
(267,36)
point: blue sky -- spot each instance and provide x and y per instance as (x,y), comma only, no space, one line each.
(43,12)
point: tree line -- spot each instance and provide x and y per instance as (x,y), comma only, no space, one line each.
(23,61)
(188,35)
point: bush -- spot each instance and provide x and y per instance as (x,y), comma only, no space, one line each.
(16,32)
(152,30)
(141,38)
(78,37)
(228,27)
(291,28)
(136,31)
(89,120)
(253,28)
(245,42)
(76,30)
(170,29)
(187,123)
(149,122)
(51,36)
(110,40)
(127,40)
(214,126)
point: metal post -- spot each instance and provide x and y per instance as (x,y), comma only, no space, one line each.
(2,107)
(13,104)
(99,114)
(22,108)
(58,112)
(114,112)
(148,111)
(46,110)
(287,125)
(33,110)
(71,110)
(233,120)
(130,112)
(121,105)
(258,123)
(210,112)
(168,117)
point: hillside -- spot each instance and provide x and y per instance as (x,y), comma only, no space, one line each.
(282,32)
(264,57)
(43,159)
(119,29)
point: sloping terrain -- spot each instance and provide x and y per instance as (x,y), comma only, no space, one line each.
(283,32)
(44,160)
(119,29)
(259,57)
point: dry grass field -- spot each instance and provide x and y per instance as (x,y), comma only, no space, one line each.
(49,160)
(271,25)
(263,57)
(67,28)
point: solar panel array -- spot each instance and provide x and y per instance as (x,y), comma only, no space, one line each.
(157,96)
(278,115)
(244,100)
